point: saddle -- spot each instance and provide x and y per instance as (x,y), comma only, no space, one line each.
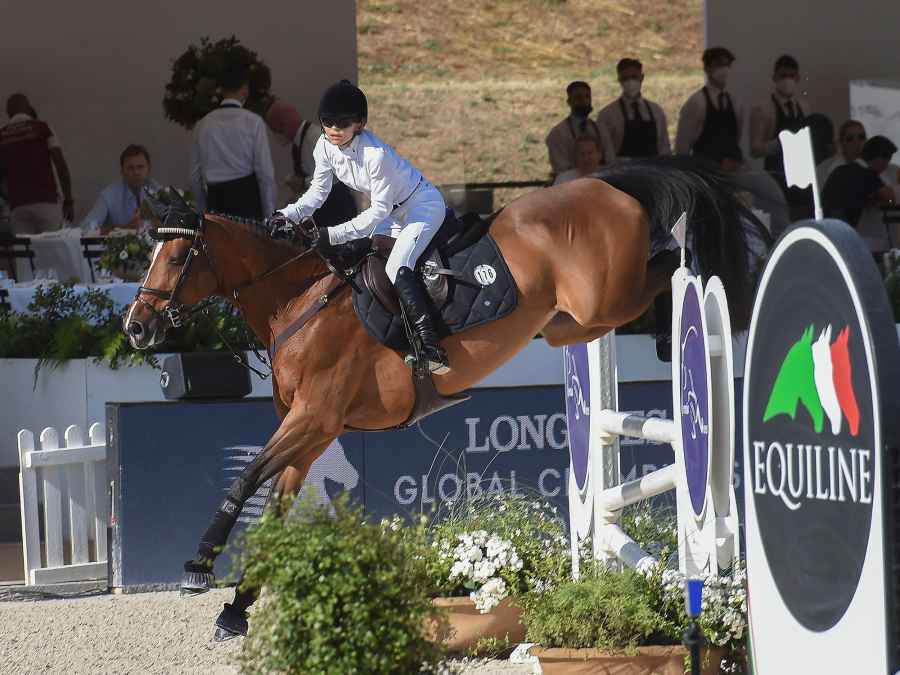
(464,273)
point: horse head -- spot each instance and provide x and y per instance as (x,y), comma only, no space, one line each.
(181,272)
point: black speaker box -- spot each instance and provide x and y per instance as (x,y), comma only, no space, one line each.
(204,375)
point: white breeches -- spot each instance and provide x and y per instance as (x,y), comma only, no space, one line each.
(413,224)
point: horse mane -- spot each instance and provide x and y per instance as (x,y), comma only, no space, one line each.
(254,227)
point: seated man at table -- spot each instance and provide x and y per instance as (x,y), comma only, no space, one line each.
(118,206)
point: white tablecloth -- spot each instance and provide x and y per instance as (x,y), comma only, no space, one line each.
(20,295)
(58,251)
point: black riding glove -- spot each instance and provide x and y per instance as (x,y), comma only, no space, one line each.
(279,226)
(321,242)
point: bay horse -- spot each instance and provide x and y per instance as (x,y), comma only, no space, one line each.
(580,256)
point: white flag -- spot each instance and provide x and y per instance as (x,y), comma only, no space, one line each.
(679,230)
(799,167)
(799,163)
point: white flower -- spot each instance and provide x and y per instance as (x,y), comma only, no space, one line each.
(123,254)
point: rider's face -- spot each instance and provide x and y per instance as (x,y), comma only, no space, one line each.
(341,136)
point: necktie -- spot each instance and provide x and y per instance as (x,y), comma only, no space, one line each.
(791,112)
(721,100)
(582,126)
(637,111)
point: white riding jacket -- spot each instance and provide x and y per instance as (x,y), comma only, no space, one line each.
(368,165)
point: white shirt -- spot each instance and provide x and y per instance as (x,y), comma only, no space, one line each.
(763,120)
(116,204)
(231,143)
(561,142)
(367,164)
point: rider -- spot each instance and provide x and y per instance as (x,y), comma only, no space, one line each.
(403,203)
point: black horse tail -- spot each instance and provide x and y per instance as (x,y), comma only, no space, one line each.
(720,226)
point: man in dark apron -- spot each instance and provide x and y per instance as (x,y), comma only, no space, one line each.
(784,113)
(636,126)
(709,124)
(231,164)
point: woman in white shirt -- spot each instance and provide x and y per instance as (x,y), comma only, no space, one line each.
(403,203)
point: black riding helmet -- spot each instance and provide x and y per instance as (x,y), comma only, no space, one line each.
(343,100)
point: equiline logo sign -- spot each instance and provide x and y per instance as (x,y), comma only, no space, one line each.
(821,439)
(811,436)
(814,386)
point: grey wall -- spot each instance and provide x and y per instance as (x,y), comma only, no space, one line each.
(95,70)
(835,41)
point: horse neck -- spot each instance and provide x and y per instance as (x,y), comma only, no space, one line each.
(251,256)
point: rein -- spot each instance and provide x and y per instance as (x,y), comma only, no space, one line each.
(177,314)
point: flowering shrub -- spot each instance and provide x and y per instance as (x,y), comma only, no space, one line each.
(500,546)
(126,254)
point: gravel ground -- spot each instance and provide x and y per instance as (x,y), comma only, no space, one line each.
(136,633)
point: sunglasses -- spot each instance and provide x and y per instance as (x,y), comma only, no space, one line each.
(338,122)
(854,137)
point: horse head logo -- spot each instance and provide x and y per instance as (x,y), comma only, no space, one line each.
(574,389)
(818,376)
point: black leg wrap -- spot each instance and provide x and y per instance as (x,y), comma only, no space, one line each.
(244,597)
(231,623)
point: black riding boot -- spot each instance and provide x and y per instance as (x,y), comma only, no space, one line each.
(414,299)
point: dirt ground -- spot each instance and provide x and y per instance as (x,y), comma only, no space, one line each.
(135,633)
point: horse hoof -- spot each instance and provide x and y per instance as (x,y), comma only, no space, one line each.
(230,624)
(197,579)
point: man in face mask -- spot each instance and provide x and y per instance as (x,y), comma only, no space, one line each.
(636,126)
(561,139)
(781,111)
(710,122)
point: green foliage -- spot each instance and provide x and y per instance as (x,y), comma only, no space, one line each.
(195,86)
(604,610)
(652,526)
(535,529)
(340,594)
(126,254)
(61,324)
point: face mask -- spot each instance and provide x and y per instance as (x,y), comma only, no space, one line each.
(786,86)
(582,110)
(631,87)
(719,76)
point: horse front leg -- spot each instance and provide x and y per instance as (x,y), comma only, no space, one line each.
(232,620)
(301,430)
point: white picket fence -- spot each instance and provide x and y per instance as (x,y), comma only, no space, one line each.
(70,482)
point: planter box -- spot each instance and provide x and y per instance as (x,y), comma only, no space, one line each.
(466,625)
(648,661)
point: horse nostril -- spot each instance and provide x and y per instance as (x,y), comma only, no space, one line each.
(135,329)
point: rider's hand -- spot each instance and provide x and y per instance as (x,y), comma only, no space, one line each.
(279,225)
(321,242)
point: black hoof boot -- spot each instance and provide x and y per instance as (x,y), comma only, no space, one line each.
(231,623)
(198,578)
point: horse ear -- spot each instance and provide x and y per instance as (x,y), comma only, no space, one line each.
(178,201)
(157,208)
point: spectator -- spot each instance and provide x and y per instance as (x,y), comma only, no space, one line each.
(561,139)
(853,186)
(289,128)
(711,121)
(118,205)
(636,126)
(588,158)
(231,164)
(851,139)
(29,152)
(783,111)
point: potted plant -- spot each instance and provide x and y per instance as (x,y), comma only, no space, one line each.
(622,621)
(484,555)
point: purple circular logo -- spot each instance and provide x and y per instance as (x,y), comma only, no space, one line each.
(578,409)
(695,411)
